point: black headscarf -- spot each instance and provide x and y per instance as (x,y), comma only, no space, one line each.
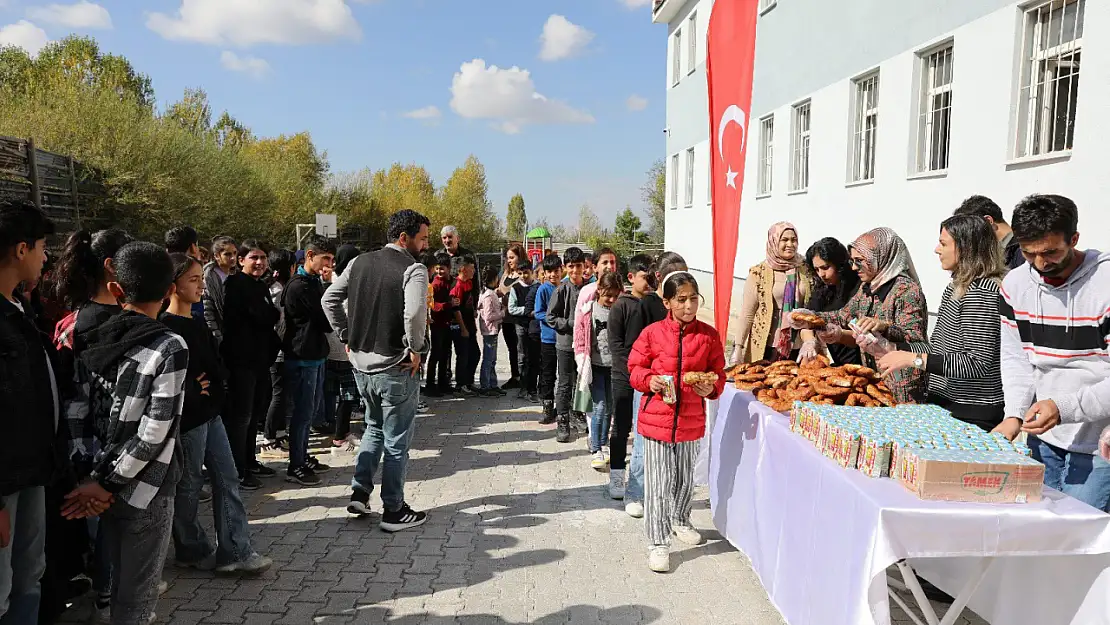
(344,256)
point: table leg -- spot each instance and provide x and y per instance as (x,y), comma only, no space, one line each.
(967,591)
(914,586)
(910,579)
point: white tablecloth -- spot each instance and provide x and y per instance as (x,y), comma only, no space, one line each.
(821,537)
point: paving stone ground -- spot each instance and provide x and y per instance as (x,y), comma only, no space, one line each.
(520,530)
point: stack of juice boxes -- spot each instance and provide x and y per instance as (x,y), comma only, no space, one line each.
(925,448)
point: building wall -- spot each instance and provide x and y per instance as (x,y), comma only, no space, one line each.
(811,49)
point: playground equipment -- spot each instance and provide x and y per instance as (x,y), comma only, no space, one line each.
(537,244)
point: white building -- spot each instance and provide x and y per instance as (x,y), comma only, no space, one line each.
(889,113)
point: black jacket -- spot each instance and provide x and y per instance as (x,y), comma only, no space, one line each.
(530,304)
(625,325)
(1012,254)
(306,327)
(249,338)
(203,359)
(30,454)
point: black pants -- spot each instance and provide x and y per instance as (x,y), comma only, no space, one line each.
(467,354)
(439,362)
(249,394)
(622,423)
(548,364)
(343,412)
(512,342)
(529,360)
(568,379)
(277,415)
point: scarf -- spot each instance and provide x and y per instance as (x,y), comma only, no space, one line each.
(885,254)
(784,338)
(775,260)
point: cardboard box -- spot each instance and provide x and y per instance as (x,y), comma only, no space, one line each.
(984,477)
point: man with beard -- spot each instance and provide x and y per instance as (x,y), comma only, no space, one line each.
(379,309)
(1055,362)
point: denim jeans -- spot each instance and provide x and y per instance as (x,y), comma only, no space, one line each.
(634,489)
(137,542)
(23,561)
(207,445)
(390,399)
(1083,476)
(601,393)
(489,362)
(306,383)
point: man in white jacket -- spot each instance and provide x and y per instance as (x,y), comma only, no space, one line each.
(1055,313)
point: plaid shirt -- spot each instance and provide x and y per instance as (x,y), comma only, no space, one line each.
(135,417)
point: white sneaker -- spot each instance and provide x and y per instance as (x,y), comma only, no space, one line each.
(253,565)
(163,587)
(599,462)
(687,534)
(616,484)
(634,509)
(659,559)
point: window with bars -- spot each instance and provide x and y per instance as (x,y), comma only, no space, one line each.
(934,123)
(865,127)
(674,181)
(689,196)
(676,62)
(799,164)
(1052,39)
(766,154)
(692,53)
(766,4)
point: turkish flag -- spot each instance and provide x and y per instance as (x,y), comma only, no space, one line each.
(729,68)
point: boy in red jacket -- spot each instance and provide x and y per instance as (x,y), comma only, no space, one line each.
(672,413)
(442,313)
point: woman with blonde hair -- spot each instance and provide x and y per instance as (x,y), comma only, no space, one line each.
(774,287)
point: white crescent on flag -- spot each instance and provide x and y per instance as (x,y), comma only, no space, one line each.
(732,114)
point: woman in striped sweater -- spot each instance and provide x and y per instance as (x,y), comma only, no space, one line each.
(962,357)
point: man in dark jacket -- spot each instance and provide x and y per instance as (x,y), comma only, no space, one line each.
(982,206)
(28,427)
(306,349)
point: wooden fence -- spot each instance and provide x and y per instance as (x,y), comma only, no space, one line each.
(66,190)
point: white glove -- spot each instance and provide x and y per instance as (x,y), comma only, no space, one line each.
(810,350)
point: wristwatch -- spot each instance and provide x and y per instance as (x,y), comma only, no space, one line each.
(919,362)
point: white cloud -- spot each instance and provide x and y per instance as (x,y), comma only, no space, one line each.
(428,114)
(508,97)
(562,39)
(83,14)
(24,34)
(250,22)
(252,65)
(636,103)
(636,4)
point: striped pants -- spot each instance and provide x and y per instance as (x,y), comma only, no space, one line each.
(668,487)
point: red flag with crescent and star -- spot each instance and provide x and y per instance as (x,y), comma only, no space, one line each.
(730,65)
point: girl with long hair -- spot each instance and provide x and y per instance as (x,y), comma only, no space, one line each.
(282,263)
(834,283)
(515,258)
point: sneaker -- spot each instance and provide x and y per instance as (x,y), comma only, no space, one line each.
(205,494)
(578,421)
(548,414)
(430,392)
(163,586)
(616,484)
(262,470)
(317,466)
(599,462)
(360,503)
(249,482)
(562,429)
(497,392)
(534,398)
(207,563)
(302,475)
(511,384)
(687,534)
(659,559)
(634,509)
(465,390)
(522,394)
(253,565)
(323,428)
(402,519)
(423,408)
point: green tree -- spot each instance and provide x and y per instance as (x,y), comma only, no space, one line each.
(297,150)
(464,203)
(654,194)
(627,225)
(516,219)
(192,112)
(78,61)
(589,226)
(230,134)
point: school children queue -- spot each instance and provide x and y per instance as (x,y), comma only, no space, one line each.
(163,365)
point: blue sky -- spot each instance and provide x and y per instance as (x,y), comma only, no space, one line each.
(349,71)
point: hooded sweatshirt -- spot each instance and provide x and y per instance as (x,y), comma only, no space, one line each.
(1054,346)
(131,374)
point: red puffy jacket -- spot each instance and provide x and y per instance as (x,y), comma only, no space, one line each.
(666,349)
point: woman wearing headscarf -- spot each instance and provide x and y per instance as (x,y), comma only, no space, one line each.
(774,287)
(889,303)
(341,395)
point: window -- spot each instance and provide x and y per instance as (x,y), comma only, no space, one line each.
(692,30)
(799,166)
(689,177)
(865,128)
(1051,43)
(674,181)
(766,154)
(676,62)
(766,5)
(934,123)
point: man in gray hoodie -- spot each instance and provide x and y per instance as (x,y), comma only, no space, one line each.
(1055,313)
(379,309)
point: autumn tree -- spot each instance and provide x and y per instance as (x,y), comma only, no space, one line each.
(516,219)
(74,61)
(192,112)
(654,194)
(464,203)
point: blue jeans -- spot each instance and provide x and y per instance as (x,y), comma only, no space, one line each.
(1083,476)
(390,399)
(137,542)
(634,489)
(601,393)
(488,378)
(207,445)
(23,562)
(305,381)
